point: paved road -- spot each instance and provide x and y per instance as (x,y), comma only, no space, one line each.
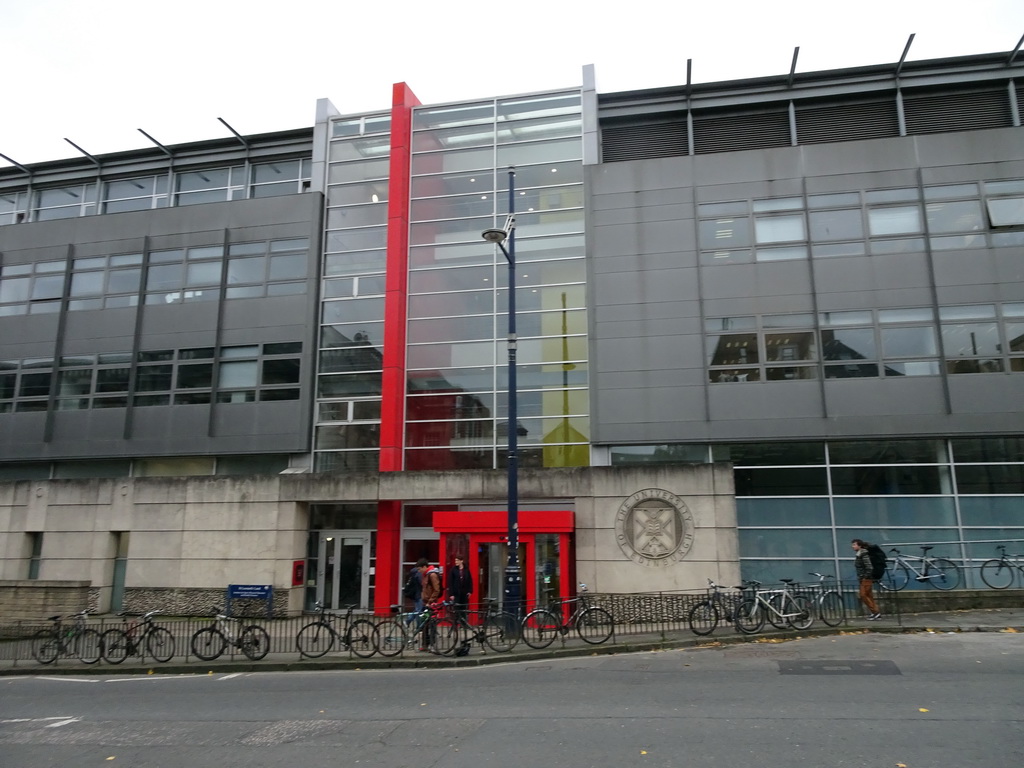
(925,700)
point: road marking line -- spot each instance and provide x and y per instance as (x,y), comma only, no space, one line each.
(233,674)
(67,679)
(33,719)
(65,722)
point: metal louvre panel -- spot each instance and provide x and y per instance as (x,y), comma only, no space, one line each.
(964,111)
(732,133)
(822,124)
(643,142)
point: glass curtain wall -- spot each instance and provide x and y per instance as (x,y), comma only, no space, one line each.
(457,403)
(799,504)
(352,296)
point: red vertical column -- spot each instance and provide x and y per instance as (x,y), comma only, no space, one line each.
(392,416)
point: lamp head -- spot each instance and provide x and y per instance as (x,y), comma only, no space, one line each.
(495,236)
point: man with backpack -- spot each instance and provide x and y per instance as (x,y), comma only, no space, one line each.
(869,560)
(413,589)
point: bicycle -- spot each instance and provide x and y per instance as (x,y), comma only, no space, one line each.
(998,572)
(795,610)
(828,601)
(320,636)
(210,642)
(450,631)
(396,633)
(938,571)
(593,624)
(118,644)
(60,639)
(704,616)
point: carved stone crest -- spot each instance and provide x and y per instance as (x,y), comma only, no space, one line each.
(654,528)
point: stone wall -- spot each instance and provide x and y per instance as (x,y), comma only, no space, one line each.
(182,601)
(30,599)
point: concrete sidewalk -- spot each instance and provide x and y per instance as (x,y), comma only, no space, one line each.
(972,620)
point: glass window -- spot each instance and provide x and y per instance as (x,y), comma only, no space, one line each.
(1006,211)
(357,194)
(280,372)
(950,191)
(153,378)
(247,270)
(890,512)
(981,478)
(958,216)
(733,349)
(34,385)
(988,449)
(848,344)
(891,195)
(791,345)
(364,170)
(288,267)
(195,376)
(890,479)
(779,229)
(970,339)
(836,225)
(770,454)
(112,379)
(894,221)
(538,106)
(908,342)
(782,512)
(887,452)
(791,481)
(240,373)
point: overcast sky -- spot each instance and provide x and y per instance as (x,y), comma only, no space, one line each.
(96,71)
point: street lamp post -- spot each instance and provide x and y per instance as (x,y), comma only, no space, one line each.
(499,237)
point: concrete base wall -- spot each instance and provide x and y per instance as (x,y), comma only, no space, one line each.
(25,599)
(638,529)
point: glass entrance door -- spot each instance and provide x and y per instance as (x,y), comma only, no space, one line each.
(492,559)
(343,569)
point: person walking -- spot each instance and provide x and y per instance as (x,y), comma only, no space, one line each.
(414,589)
(866,576)
(460,584)
(433,592)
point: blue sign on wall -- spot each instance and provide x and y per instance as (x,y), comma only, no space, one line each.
(259,591)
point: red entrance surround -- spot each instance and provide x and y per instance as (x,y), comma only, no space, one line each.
(491,526)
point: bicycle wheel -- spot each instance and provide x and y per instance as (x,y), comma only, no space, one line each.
(703,618)
(315,639)
(595,625)
(803,606)
(501,632)
(45,646)
(160,644)
(539,628)
(389,637)
(208,643)
(749,617)
(996,573)
(895,578)
(777,620)
(945,574)
(830,609)
(359,637)
(87,646)
(254,642)
(444,635)
(114,646)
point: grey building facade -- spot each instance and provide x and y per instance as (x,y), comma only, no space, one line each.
(816,277)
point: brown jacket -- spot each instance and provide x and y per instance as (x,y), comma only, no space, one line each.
(432,589)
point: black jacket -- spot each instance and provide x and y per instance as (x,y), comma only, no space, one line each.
(460,584)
